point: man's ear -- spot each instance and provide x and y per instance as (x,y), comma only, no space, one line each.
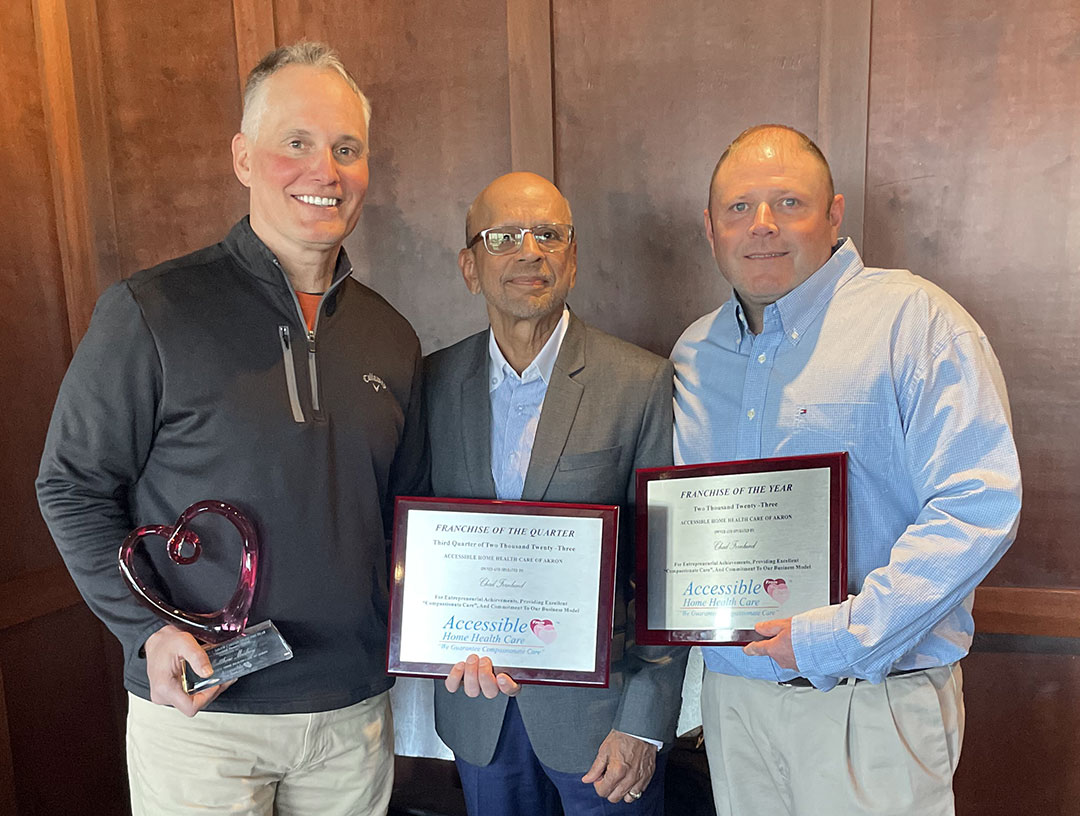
(573,264)
(708,231)
(466,262)
(836,215)
(241,159)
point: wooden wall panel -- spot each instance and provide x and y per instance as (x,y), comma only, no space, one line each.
(972,181)
(34,344)
(173,105)
(438,85)
(66,739)
(1023,735)
(646,101)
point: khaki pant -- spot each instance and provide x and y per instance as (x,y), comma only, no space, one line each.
(860,748)
(331,763)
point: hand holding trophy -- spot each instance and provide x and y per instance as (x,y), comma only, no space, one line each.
(172,650)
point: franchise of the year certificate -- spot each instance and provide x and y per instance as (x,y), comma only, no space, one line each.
(532,590)
(730,544)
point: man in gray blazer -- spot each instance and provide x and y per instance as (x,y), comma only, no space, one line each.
(542,407)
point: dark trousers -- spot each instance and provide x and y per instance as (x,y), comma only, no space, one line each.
(516,783)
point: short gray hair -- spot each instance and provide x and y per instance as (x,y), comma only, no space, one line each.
(312,54)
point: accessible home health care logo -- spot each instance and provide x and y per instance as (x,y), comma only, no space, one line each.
(505,630)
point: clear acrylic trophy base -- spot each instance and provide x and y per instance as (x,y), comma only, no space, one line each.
(258,647)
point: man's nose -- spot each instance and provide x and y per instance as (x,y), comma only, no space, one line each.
(763,220)
(323,166)
(530,250)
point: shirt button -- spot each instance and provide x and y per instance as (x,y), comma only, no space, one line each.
(794,335)
(494,380)
(761,358)
(750,414)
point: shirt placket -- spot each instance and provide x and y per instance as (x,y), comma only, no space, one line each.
(761,357)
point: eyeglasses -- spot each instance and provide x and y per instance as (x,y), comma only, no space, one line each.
(507,240)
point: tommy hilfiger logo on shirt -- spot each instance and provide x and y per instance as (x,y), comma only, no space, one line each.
(375,380)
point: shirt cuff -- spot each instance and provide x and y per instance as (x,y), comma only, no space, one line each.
(813,639)
(654,743)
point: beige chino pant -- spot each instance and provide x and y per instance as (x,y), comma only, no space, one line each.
(888,749)
(331,763)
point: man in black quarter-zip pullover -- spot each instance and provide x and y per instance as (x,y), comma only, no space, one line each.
(202,378)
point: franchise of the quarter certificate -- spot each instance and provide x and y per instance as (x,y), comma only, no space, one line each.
(730,544)
(529,589)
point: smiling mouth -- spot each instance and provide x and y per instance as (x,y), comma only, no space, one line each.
(318,201)
(765,256)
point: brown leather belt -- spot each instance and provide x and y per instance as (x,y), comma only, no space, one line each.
(803,682)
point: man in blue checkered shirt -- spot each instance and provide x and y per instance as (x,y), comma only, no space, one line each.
(856,707)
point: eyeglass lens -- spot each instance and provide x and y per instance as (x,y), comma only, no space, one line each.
(549,237)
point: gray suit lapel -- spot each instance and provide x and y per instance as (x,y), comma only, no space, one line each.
(557,415)
(476,422)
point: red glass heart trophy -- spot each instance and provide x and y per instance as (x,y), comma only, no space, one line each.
(239,649)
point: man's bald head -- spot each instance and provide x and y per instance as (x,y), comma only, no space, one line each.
(515,192)
(773,137)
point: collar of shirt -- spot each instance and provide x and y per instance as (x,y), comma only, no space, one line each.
(542,366)
(797,309)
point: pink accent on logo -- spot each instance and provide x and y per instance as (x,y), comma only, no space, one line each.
(543,629)
(777,589)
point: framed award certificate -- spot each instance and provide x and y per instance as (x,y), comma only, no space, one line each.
(530,585)
(722,546)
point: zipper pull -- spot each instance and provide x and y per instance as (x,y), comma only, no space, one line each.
(284,332)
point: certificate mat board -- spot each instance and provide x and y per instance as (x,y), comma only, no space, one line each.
(722,546)
(529,584)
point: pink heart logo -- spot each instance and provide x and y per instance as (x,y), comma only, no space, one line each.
(777,589)
(210,627)
(543,629)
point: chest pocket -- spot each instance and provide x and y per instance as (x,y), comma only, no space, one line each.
(590,459)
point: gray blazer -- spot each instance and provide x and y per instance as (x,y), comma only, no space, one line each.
(607,412)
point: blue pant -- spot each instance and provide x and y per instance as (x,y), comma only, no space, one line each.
(516,783)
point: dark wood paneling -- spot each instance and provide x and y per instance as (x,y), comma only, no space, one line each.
(974,137)
(173,105)
(253,21)
(35,594)
(7,769)
(1023,736)
(66,746)
(647,99)
(69,51)
(843,89)
(34,340)
(1034,611)
(532,138)
(437,81)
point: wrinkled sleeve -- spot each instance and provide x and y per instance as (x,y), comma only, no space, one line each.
(652,690)
(98,442)
(963,466)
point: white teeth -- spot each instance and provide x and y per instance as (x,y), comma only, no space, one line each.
(318,201)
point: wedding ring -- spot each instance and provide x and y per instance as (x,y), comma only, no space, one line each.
(635,795)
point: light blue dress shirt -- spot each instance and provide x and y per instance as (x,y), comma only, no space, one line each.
(888,367)
(515,409)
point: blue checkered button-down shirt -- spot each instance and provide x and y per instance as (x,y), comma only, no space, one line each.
(885,365)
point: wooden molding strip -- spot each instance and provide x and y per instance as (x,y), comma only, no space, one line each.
(253,21)
(73,94)
(529,50)
(35,594)
(843,102)
(1028,611)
